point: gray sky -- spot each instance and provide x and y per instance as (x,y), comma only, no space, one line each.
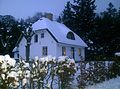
(25,8)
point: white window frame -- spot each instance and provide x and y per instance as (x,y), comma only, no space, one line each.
(44,51)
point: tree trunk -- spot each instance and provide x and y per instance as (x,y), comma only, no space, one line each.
(27,51)
(39,85)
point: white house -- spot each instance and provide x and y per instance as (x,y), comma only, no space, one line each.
(52,38)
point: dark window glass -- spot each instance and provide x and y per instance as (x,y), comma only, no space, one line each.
(72,52)
(63,51)
(36,38)
(71,36)
(79,51)
(44,51)
(42,35)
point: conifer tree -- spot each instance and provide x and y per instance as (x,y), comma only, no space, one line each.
(106,30)
(8,34)
(67,16)
(79,16)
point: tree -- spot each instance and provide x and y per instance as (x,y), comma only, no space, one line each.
(67,16)
(27,32)
(34,18)
(99,31)
(79,16)
(8,34)
(106,33)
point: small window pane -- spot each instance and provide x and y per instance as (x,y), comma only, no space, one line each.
(72,52)
(79,51)
(63,51)
(44,51)
(71,36)
(36,38)
(42,35)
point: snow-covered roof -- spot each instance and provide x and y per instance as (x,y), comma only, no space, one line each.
(117,54)
(15,49)
(59,31)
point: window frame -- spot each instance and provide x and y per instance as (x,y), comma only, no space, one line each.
(63,51)
(72,52)
(79,51)
(70,35)
(44,51)
(36,38)
(42,35)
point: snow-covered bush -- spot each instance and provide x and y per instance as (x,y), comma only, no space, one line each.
(114,69)
(66,66)
(65,69)
(42,70)
(23,70)
(92,72)
(47,71)
(8,74)
(11,73)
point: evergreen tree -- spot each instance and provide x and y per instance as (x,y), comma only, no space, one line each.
(34,18)
(84,13)
(107,33)
(67,17)
(99,31)
(8,34)
(79,16)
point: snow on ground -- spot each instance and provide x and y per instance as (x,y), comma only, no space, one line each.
(111,84)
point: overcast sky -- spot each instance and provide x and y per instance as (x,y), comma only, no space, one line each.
(25,8)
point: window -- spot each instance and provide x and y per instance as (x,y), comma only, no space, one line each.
(44,51)
(79,51)
(42,35)
(36,38)
(71,36)
(18,55)
(63,51)
(72,52)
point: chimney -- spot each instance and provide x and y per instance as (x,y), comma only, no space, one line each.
(49,16)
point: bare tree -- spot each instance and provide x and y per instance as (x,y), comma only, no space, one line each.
(28,33)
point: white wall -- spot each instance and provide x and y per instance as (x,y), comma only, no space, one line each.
(36,48)
(54,48)
(22,48)
(68,50)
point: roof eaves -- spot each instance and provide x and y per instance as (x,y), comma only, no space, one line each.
(71,44)
(52,36)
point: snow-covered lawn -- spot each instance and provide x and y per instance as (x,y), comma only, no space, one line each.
(111,84)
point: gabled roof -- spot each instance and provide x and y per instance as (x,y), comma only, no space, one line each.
(59,31)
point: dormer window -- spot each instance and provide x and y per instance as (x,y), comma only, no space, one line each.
(36,38)
(70,35)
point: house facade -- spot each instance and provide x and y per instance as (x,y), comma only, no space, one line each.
(52,38)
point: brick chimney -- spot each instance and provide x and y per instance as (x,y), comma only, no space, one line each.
(48,15)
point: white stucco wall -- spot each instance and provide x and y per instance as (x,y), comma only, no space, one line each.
(54,48)
(36,48)
(68,51)
(22,48)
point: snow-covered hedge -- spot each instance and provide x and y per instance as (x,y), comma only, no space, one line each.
(11,73)
(93,72)
(41,72)
(51,73)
